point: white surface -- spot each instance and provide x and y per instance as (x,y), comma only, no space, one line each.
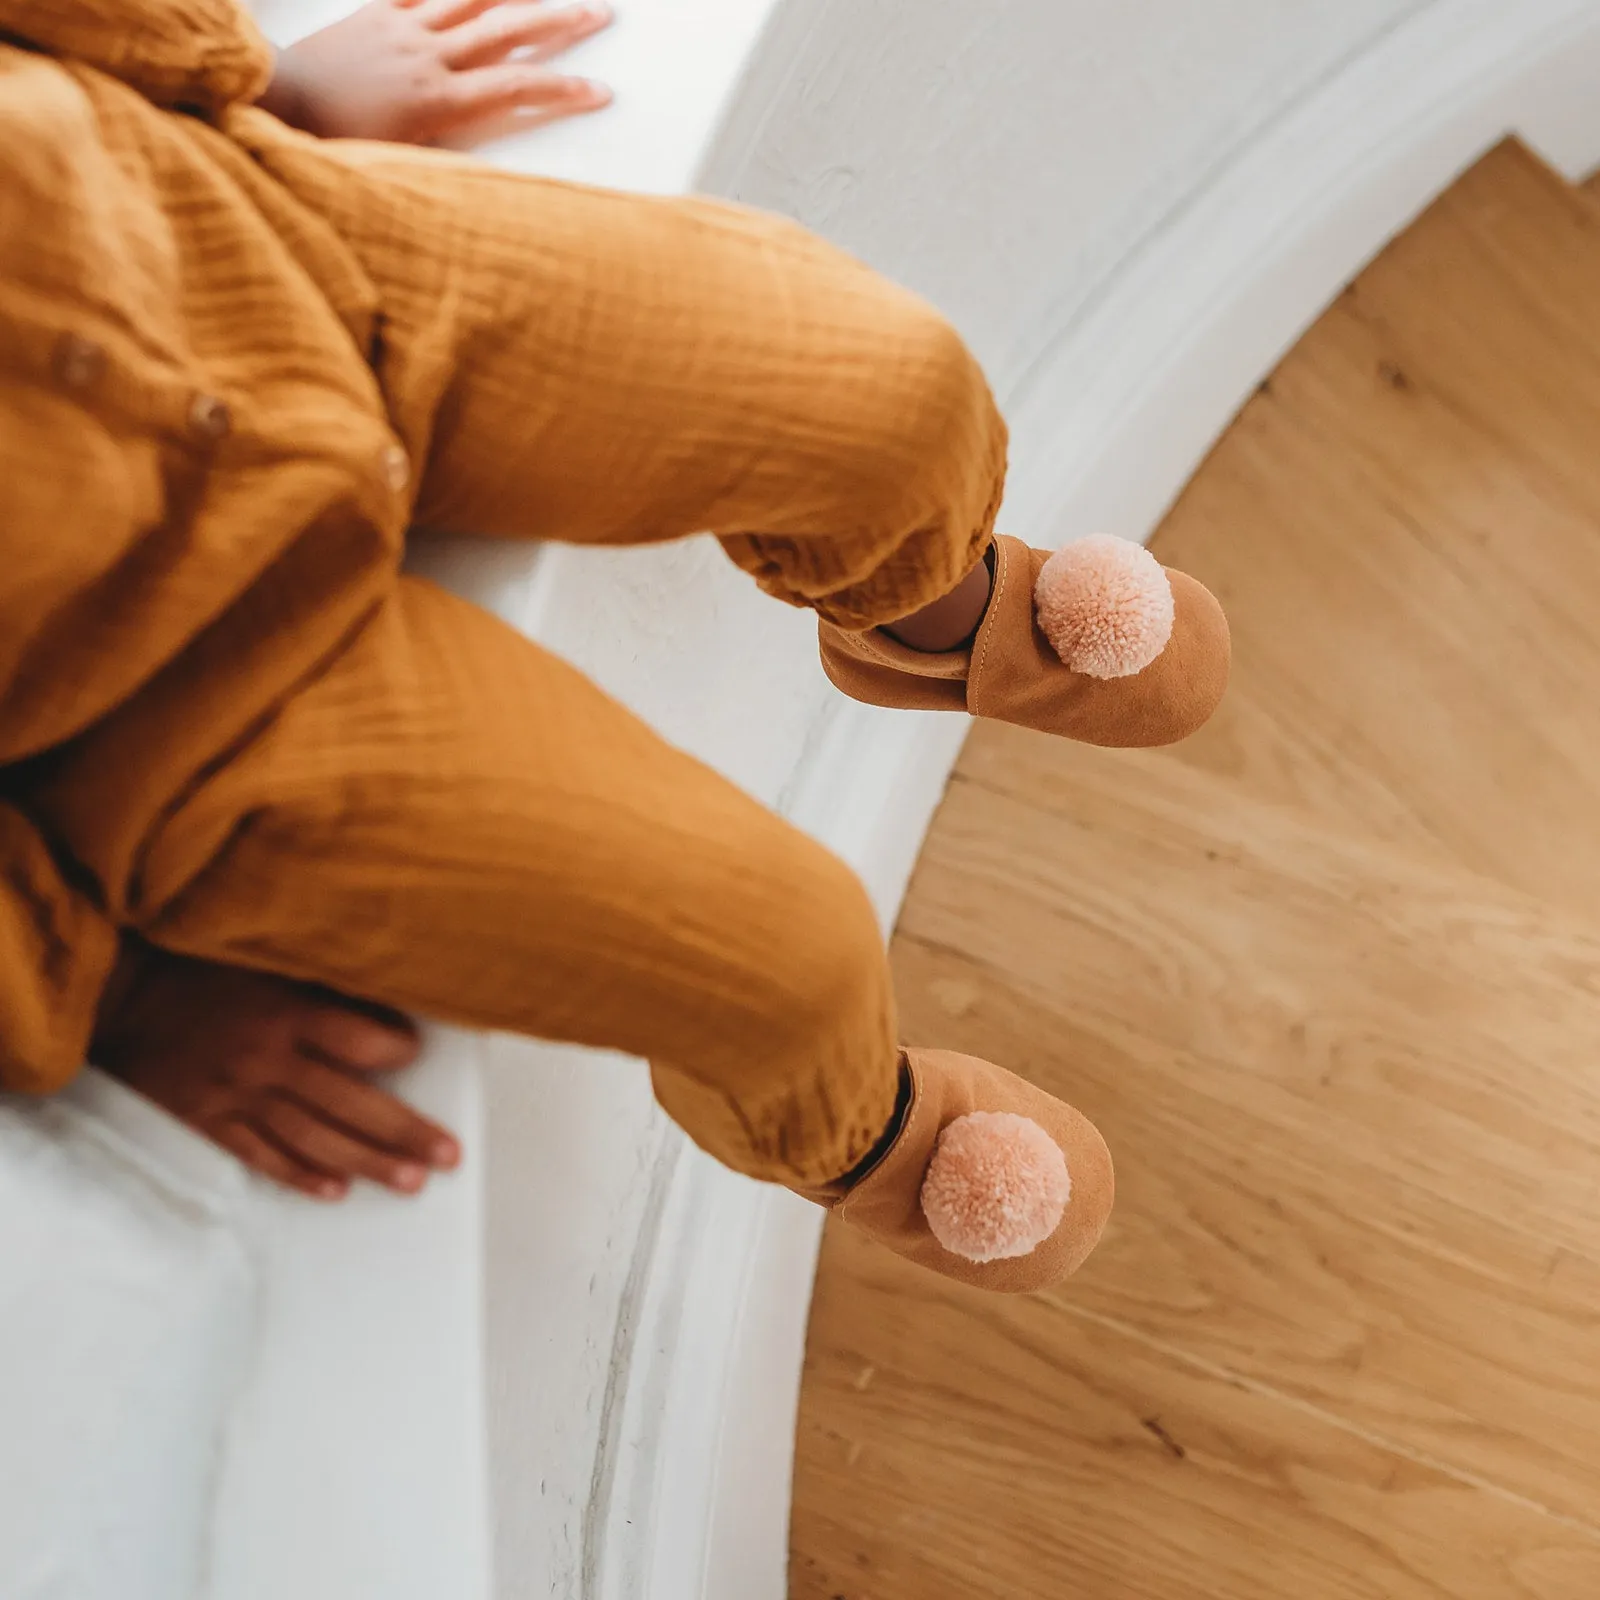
(354,1456)
(1130,210)
(210,1387)
(671,63)
(126,1320)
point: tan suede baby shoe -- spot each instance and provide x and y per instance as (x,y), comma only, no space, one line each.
(989,1179)
(1097,642)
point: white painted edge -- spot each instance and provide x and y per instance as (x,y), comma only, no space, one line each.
(692,1502)
(1127,399)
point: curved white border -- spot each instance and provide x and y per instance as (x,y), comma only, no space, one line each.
(1127,400)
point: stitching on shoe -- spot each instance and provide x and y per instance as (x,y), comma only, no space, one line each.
(870,647)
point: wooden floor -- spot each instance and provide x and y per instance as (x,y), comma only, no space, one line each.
(1328,977)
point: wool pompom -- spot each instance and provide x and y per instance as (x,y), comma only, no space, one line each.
(1105,605)
(997,1186)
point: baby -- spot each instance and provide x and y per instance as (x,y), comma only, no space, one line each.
(264,796)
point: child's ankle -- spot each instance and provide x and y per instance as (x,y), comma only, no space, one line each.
(951,622)
(885,1141)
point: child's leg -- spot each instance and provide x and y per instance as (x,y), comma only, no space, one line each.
(573,364)
(452,821)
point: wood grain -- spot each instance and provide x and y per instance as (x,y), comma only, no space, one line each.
(1352,1097)
(1405,528)
(1328,977)
(956,1447)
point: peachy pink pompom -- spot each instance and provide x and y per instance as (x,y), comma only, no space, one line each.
(1105,605)
(997,1186)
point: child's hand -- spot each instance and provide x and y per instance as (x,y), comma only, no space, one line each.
(421,71)
(278,1073)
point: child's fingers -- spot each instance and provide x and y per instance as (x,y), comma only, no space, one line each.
(534,94)
(441,14)
(369,1113)
(542,30)
(261,1154)
(329,1148)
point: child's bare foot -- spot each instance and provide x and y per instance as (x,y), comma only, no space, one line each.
(422,71)
(274,1071)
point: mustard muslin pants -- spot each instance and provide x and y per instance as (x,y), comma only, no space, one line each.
(449,819)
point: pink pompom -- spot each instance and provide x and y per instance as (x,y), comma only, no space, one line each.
(997,1186)
(1106,606)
